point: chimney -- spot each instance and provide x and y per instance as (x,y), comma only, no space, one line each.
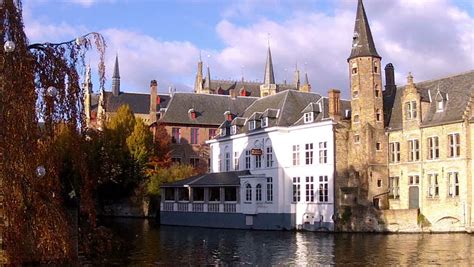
(228,116)
(390,86)
(334,104)
(153,100)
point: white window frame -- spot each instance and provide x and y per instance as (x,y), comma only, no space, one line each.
(453,184)
(258,193)
(236,161)
(323,152)
(394,187)
(258,161)
(323,191)
(309,186)
(454,143)
(308,117)
(269,156)
(309,154)
(413,150)
(440,105)
(252,125)
(264,122)
(269,189)
(296,189)
(233,129)
(433,185)
(411,110)
(394,152)
(248,160)
(296,155)
(433,147)
(248,193)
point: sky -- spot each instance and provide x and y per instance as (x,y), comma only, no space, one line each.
(162,40)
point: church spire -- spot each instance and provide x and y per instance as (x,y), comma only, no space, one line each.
(116,78)
(269,77)
(207,82)
(362,41)
(296,79)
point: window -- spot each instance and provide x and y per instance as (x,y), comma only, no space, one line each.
(194,162)
(433,187)
(378,115)
(379,183)
(296,155)
(176,160)
(212,133)
(236,161)
(354,70)
(227,161)
(233,129)
(378,146)
(223,132)
(183,194)
(410,110)
(433,147)
(356,118)
(198,193)
(219,163)
(453,184)
(439,104)
(258,161)
(377,91)
(194,135)
(248,193)
(323,152)
(309,153)
(230,194)
(394,151)
(269,157)
(414,150)
(413,180)
(258,192)
(308,117)
(376,69)
(252,125)
(309,189)
(394,187)
(355,94)
(296,189)
(356,138)
(247,159)
(176,135)
(214,194)
(269,189)
(454,145)
(169,194)
(264,122)
(323,189)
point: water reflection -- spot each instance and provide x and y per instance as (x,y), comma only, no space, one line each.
(167,245)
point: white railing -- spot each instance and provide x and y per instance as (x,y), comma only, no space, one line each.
(198,207)
(230,207)
(213,207)
(168,206)
(183,207)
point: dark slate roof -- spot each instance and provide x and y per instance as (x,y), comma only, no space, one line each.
(209,108)
(139,103)
(457,89)
(211,179)
(269,76)
(226,85)
(363,43)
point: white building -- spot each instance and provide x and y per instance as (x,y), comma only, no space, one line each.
(282,151)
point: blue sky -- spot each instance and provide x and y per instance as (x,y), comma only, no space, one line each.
(162,39)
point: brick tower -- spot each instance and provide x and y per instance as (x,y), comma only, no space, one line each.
(368,142)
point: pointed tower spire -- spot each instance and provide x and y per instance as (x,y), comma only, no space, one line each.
(306,86)
(296,79)
(198,82)
(269,77)
(116,78)
(87,88)
(207,82)
(362,41)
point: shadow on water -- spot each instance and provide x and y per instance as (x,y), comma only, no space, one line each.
(151,243)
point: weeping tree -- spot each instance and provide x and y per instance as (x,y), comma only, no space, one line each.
(40,97)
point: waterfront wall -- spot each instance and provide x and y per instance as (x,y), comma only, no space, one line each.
(262,221)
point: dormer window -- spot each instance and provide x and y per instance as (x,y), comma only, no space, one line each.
(308,117)
(439,104)
(223,132)
(264,122)
(410,110)
(233,129)
(252,125)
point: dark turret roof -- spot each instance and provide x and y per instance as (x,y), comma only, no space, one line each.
(269,77)
(116,68)
(363,43)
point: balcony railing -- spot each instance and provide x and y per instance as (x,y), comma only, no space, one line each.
(200,207)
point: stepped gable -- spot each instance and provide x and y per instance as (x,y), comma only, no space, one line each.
(456,88)
(209,108)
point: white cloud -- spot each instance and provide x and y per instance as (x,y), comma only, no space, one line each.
(431,38)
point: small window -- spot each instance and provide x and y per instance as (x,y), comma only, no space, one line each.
(356,138)
(376,69)
(223,131)
(233,130)
(356,118)
(378,146)
(264,122)
(379,183)
(355,94)
(354,70)
(378,115)
(439,105)
(308,117)
(251,125)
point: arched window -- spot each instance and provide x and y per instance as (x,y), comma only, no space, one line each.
(248,192)
(258,192)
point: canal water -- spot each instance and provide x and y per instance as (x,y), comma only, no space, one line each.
(152,244)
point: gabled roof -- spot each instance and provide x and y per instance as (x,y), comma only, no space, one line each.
(209,108)
(211,179)
(458,87)
(139,103)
